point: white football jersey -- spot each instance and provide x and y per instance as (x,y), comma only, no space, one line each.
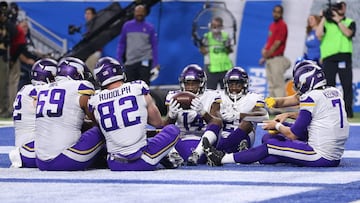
(59,117)
(24,114)
(189,122)
(243,105)
(122,116)
(329,128)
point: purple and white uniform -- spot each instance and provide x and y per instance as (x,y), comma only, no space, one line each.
(24,123)
(122,116)
(192,125)
(59,143)
(322,113)
(231,135)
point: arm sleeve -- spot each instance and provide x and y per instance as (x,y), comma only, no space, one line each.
(281,33)
(301,124)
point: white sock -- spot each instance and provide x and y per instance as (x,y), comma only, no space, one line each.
(228,159)
(210,135)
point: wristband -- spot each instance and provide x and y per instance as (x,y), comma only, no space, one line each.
(278,125)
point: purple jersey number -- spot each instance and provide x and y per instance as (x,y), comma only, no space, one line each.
(197,122)
(336,102)
(56,99)
(107,113)
(17,106)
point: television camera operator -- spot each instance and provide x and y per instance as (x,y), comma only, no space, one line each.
(89,14)
(336,32)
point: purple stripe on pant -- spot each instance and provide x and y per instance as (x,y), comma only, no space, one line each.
(28,162)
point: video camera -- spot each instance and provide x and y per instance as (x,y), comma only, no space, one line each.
(328,12)
(72,29)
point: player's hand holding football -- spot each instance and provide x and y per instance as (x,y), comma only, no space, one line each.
(197,106)
(174,109)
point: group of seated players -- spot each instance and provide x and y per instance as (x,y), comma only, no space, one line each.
(71,119)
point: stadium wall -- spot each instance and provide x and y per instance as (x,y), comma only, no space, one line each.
(173,21)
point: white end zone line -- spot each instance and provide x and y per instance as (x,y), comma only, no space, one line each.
(5,124)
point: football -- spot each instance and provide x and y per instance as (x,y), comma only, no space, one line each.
(184,98)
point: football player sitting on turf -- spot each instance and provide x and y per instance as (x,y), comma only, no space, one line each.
(321,114)
(59,143)
(42,72)
(200,120)
(122,110)
(240,110)
(288,101)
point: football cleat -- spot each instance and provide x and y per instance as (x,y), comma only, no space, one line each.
(193,159)
(243,145)
(172,160)
(214,156)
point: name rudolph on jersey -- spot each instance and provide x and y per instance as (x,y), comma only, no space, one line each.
(115,93)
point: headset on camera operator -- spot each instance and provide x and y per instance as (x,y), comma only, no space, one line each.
(336,32)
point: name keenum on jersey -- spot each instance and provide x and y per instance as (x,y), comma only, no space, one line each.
(115,93)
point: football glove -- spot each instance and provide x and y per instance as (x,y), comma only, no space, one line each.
(270,102)
(154,73)
(174,109)
(197,106)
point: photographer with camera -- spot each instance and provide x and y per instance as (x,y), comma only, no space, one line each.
(336,32)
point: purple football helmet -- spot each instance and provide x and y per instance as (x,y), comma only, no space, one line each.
(72,67)
(308,77)
(237,75)
(108,70)
(43,71)
(302,62)
(193,72)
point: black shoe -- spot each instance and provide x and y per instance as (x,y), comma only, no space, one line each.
(214,156)
(193,159)
(243,145)
(166,163)
(172,160)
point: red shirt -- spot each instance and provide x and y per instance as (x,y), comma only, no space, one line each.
(18,40)
(277,31)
